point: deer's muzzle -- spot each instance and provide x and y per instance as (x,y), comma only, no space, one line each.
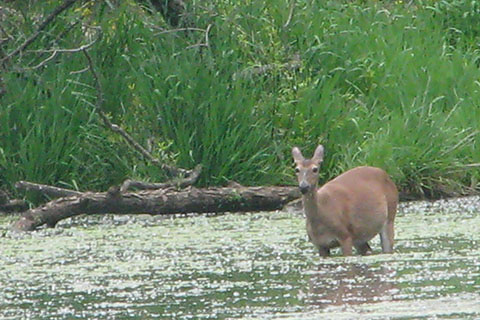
(304,187)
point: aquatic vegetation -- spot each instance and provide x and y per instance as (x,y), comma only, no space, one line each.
(240,266)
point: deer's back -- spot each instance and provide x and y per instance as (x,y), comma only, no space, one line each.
(362,183)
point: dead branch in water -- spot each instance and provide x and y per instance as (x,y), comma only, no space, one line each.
(53,192)
(158,202)
(9,206)
(174,183)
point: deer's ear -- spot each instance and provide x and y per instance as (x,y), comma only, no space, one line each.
(297,155)
(318,155)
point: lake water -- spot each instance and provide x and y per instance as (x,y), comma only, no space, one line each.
(250,266)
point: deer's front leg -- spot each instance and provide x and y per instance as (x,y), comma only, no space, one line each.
(324,252)
(346,245)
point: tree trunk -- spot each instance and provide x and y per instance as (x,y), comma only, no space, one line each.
(164,201)
(171,10)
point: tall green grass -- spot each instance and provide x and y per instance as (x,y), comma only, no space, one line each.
(389,85)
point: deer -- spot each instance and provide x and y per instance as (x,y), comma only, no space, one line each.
(349,210)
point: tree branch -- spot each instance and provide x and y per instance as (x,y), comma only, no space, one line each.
(207,41)
(178,183)
(171,170)
(57,51)
(15,205)
(8,206)
(50,191)
(159,202)
(163,31)
(67,4)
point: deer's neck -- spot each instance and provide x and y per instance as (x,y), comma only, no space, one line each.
(310,204)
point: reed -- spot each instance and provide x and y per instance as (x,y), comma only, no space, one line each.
(382,84)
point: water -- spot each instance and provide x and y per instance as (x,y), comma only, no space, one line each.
(251,266)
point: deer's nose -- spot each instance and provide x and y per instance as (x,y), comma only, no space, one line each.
(304,187)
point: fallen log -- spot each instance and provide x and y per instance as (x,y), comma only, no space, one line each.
(9,206)
(15,205)
(50,191)
(158,202)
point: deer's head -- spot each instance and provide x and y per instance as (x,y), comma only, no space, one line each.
(307,169)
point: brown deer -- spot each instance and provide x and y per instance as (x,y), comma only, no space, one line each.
(349,210)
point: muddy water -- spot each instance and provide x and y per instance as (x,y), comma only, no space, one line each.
(253,266)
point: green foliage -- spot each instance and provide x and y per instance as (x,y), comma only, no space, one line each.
(460,17)
(389,85)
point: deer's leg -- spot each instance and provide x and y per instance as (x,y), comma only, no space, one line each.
(346,245)
(324,251)
(386,237)
(363,248)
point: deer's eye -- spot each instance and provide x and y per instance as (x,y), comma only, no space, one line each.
(315,169)
(297,170)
